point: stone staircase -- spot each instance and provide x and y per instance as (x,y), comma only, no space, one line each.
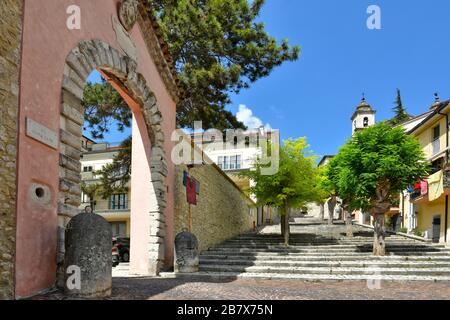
(322,252)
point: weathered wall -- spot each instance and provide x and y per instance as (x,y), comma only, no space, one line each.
(222,210)
(47,43)
(10,52)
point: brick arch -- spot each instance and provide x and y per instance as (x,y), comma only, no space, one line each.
(81,61)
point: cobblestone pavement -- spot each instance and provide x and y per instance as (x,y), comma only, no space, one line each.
(243,289)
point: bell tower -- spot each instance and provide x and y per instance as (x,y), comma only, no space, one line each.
(363,117)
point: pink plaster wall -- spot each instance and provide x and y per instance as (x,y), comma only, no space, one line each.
(46,44)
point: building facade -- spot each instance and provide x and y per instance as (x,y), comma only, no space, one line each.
(426,204)
(116,208)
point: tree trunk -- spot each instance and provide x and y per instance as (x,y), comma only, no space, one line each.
(348,223)
(331,206)
(281,213)
(286,224)
(379,209)
(379,244)
(322,212)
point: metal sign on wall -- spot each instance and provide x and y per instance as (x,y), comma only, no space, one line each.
(41,133)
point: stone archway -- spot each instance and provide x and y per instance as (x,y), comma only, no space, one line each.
(121,72)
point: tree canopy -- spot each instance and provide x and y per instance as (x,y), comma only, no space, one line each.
(376,164)
(295,183)
(218,47)
(372,169)
(400,111)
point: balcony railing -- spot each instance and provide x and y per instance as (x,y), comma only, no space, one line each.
(446,179)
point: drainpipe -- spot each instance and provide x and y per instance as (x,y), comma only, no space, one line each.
(446,160)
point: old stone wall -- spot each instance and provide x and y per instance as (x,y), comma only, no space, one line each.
(222,211)
(10,48)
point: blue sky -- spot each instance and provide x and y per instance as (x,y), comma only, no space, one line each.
(341,58)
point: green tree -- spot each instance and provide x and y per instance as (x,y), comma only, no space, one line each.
(218,48)
(326,194)
(400,111)
(371,170)
(104,108)
(114,177)
(293,186)
(333,174)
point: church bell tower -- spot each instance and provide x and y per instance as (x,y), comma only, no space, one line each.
(363,117)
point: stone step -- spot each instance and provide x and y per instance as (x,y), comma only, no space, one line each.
(330,242)
(301,253)
(313,236)
(328,270)
(347,264)
(304,277)
(326,250)
(309,258)
(329,247)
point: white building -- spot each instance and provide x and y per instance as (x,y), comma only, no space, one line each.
(238,153)
(115,209)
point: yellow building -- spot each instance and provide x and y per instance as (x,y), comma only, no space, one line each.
(425,206)
(115,209)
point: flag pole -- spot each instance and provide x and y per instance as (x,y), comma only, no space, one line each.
(189,210)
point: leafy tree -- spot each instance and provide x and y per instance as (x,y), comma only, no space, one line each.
(333,174)
(371,170)
(114,177)
(218,47)
(293,186)
(104,107)
(400,111)
(327,194)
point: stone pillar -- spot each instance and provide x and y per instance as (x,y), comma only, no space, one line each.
(88,247)
(186,253)
(11,12)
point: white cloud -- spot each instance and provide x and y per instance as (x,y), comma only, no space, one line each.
(245,115)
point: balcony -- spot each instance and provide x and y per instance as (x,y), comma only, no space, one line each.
(417,197)
(420,194)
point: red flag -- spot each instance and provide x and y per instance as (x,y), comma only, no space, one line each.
(191,191)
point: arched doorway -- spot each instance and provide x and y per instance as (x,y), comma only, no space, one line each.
(148,186)
(148,156)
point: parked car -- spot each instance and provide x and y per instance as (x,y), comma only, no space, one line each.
(115,257)
(123,245)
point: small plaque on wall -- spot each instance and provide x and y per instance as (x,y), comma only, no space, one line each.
(41,133)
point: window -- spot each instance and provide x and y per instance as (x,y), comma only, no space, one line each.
(119,201)
(118,229)
(436,133)
(229,162)
(87,169)
(85,198)
(436,142)
(366,122)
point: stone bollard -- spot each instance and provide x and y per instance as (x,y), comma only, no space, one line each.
(87,260)
(186,253)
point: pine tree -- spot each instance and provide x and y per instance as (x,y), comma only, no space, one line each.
(400,111)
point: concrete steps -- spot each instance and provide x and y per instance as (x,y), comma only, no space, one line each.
(201,276)
(322,256)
